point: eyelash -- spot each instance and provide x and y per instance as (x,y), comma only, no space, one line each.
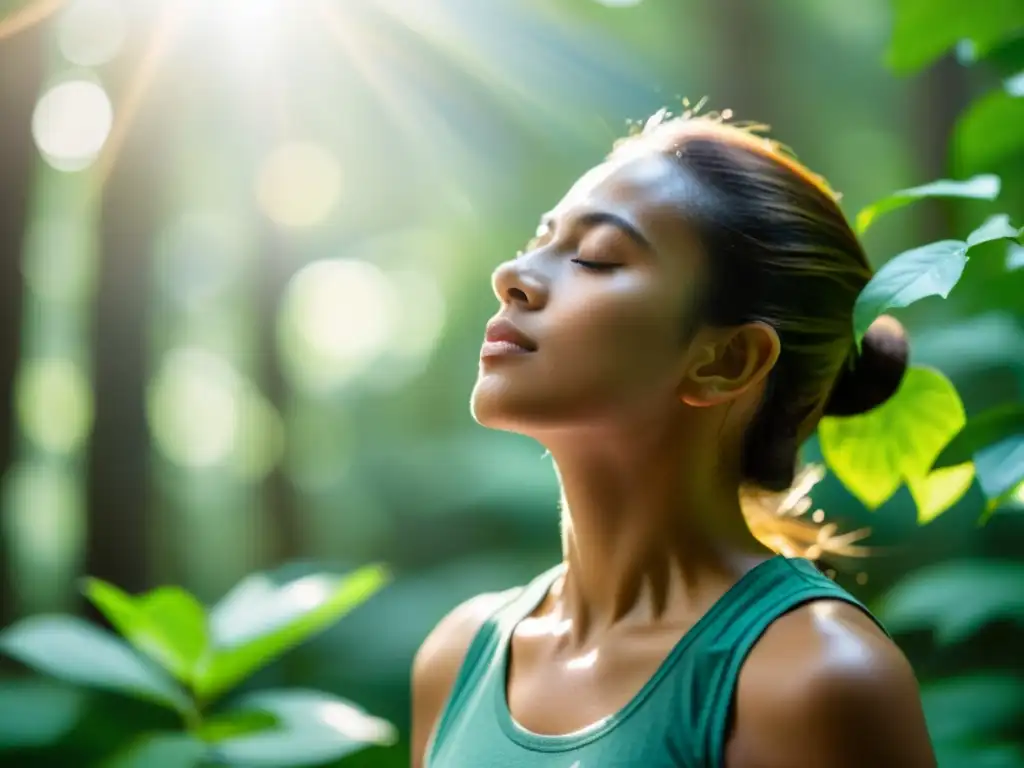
(592,266)
(595,266)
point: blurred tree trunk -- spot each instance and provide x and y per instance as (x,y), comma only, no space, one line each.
(119,509)
(742,35)
(940,95)
(285,527)
(21,62)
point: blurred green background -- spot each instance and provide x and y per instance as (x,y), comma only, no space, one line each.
(245,249)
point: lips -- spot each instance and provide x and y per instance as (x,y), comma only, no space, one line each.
(504,338)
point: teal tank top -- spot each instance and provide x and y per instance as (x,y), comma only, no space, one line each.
(679,719)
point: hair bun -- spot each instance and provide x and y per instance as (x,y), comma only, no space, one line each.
(876,373)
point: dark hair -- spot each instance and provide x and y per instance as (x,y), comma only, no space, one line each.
(781,251)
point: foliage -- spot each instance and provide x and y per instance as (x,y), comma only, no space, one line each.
(180,657)
(973,698)
(921,437)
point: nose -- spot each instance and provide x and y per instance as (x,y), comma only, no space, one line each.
(514,283)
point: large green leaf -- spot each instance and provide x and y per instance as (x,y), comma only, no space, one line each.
(74,650)
(923,30)
(167,624)
(988,428)
(314,727)
(37,712)
(988,134)
(930,270)
(983,187)
(258,621)
(955,598)
(874,453)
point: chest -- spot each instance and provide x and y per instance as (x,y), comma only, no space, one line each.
(552,691)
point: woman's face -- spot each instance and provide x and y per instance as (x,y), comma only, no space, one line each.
(592,316)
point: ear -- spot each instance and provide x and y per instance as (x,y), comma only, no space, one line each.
(727,362)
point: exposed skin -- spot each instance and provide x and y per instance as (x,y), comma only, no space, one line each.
(644,424)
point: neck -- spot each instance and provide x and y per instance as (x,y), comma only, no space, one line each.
(647,521)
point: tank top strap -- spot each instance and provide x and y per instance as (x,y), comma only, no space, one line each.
(751,609)
(484,648)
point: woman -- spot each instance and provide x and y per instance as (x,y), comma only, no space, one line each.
(677,328)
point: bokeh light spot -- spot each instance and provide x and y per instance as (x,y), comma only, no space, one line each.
(44,516)
(193,408)
(91,32)
(54,404)
(337,318)
(299,184)
(203,413)
(71,124)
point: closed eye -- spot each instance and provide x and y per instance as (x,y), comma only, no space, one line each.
(596,266)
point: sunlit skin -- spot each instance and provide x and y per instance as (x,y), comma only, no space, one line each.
(643,414)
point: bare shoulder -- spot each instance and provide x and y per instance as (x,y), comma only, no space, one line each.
(438,660)
(825,687)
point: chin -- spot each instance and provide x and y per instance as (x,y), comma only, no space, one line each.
(525,405)
(494,403)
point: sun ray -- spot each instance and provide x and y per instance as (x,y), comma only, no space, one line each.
(164,33)
(427,130)
(29,16)
(442,32)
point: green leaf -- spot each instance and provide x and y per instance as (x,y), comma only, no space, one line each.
(230,725)
(1000,468)
(984,187)
(37,712)
(988,134)
(314,728)
(923,30)
(874,453)
(937,491)
(969,754)
(972,707)
(930,270)
(167,624)
(258,621)
(956,598)
(994,440)
(162,750)
(72,649)
(1005,59)
(985,429)
(996,227)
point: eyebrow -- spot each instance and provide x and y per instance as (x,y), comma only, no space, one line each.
(593,218)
